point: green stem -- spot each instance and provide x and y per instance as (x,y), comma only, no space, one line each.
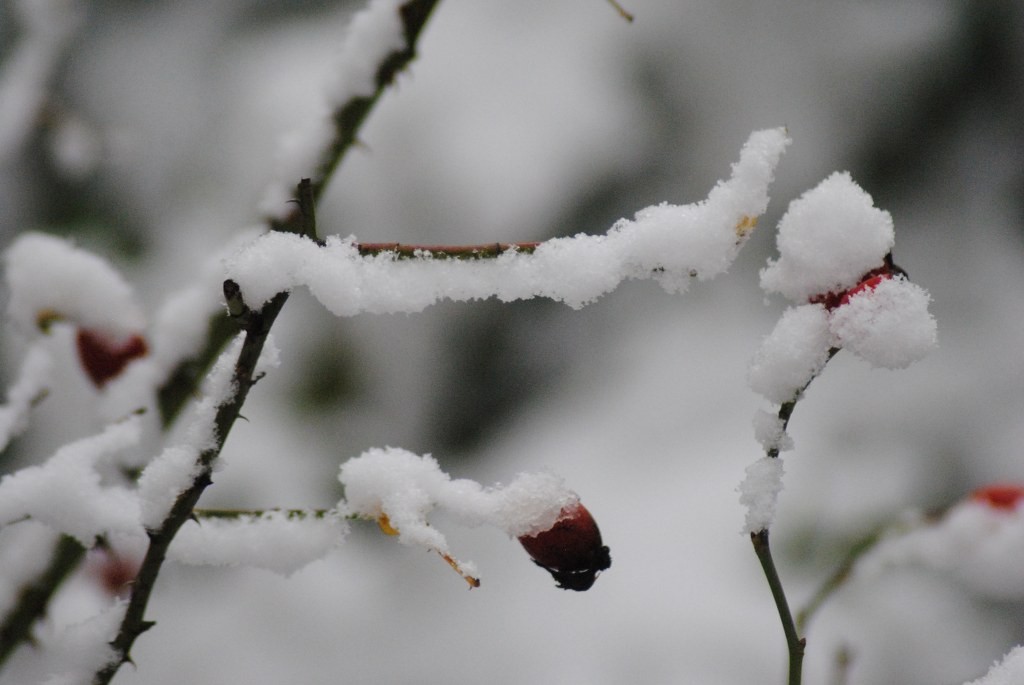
(35,596)
(794,643)
(349,117)
(838,577)
(297,514)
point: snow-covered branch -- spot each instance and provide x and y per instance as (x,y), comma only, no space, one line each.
(670,243)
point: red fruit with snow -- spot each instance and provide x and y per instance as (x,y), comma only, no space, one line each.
(104,357)
(868,282)
(867,285)
(1006,496)
(571,550)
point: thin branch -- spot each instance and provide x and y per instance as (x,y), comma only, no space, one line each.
(183,382)
(483,251)
(838,577)
(794,643)
(295,514)
(257,327)
(348,119)
(350,116)
(628,16)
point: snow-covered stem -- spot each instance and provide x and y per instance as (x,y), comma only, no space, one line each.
(257,327)
(483,251)
(34,597)
(794,643)
(786,409)
(257,513)
(348,118)
(791,627)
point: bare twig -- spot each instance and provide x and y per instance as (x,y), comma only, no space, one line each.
(794,643)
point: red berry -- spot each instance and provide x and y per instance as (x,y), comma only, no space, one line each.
(1000,495)
(867,285)
(113,572)
(104,357)
(868,281)
(571,550)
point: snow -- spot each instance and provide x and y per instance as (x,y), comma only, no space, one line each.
(49,277)
(182,322)
(33,381)
(828,238)
(175,469)
(888,326)
(167,476)
(25,552)
(980,546)
(66,492)
(792,354)
(670,243)
(759,493)
(406,487)
(47,27)
(372,35)
(654,422)
(770,432)
(278,541)
(70,655)
(1008,671)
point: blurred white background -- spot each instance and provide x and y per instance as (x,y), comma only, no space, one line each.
(520,121)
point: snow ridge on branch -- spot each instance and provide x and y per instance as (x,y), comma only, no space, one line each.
(670,243)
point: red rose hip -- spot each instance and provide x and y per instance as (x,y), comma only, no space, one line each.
(571,550)
(104,357)
(1005,496)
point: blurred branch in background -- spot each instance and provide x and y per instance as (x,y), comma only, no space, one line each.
(183,382)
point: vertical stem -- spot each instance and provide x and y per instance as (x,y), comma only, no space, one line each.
(794,642)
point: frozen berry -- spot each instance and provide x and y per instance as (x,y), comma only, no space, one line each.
(1000,495)
(867,285)
(868,281)
(104,357)
(571,550)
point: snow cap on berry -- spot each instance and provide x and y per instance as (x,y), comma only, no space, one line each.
(571,550)
(49,279)
(887,325)
(827,239)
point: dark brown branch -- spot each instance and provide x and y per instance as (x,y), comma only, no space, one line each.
(257,327)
